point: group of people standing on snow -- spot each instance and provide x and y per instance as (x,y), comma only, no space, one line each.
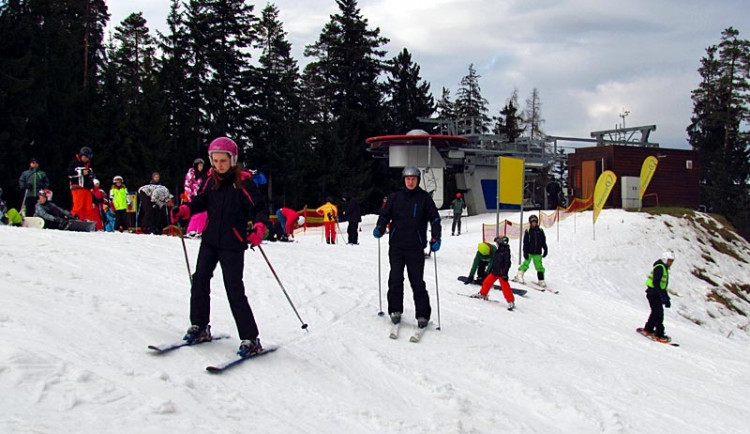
(492,263)
(219,202)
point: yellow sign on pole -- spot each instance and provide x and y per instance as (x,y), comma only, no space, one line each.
(604,186)
(647,172)
(510,181)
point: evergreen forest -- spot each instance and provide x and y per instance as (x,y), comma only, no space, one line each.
(148,101)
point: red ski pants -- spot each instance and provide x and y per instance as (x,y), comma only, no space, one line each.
(504,285)
(330,231)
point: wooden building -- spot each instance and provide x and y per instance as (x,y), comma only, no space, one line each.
(675,181)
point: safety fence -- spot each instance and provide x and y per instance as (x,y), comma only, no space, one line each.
(546,220)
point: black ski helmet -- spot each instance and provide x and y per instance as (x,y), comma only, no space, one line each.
(502,240)
(411,171)
(87,152)
(533,219)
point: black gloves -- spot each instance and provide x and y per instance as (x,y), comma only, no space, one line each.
(544,253)
(525,255)
(667,303)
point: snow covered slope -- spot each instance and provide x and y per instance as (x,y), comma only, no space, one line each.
(78,311)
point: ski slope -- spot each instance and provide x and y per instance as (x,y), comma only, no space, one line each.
(79,309)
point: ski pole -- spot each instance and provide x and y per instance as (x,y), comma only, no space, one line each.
(380,284)
(184,250)
(340,233)
(437,292)
(23,202)
(304,326)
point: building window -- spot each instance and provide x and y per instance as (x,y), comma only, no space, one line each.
(688,164)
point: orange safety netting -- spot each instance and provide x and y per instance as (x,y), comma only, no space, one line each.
(514,230)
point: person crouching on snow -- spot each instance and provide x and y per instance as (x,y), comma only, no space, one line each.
(499,271)
(482,262)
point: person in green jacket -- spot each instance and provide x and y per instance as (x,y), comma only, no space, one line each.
(482,262)
(657,295)
(457,205)
(31,181)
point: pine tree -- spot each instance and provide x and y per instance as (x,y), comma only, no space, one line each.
(509,122)
(275,113)
(409,97)
(470,106)
(182,102)
(16,83)
(134,106)
(50,58)
(532,115)
(445,111)
(222,35)
(343,75)
(720,110)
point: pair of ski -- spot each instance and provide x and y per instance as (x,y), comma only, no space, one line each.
(216,369)
(418,333)
(516,291)
(510,309)
(534,285)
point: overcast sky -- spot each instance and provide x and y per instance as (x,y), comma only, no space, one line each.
(591,60)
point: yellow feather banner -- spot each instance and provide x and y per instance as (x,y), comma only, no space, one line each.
(647,172)
(604,186)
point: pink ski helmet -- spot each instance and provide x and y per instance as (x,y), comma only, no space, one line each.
(224,144)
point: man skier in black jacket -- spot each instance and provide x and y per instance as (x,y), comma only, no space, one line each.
(408,211)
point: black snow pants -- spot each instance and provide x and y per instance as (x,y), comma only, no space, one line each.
(413,260)
(655,322)
(232,267)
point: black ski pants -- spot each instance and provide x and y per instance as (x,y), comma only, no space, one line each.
(121,220)
(456,221)
(232,267)
(149,217)
(352,231)
(655,322)
(30,204)
(413,260)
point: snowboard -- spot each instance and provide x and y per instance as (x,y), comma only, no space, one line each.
(642,332)
(79,226)
(33,222)
(516,291)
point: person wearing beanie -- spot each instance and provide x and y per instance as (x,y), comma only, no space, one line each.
(457,205)
(30,182)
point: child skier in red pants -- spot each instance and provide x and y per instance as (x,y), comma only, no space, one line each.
(500,267)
